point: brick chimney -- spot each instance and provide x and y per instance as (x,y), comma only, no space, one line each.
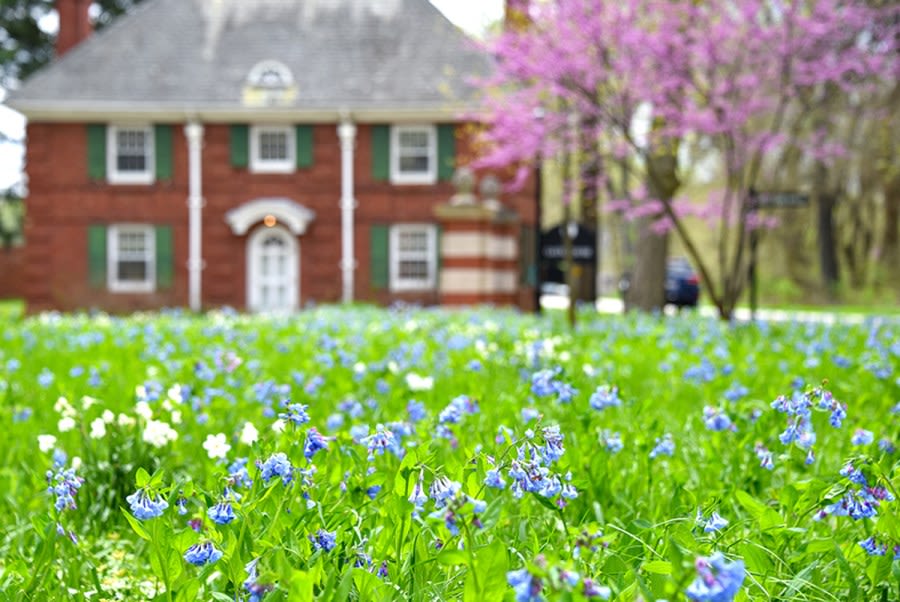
(74,24)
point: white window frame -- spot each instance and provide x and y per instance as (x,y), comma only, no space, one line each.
(427,177)
(258,165)
(112,259)
(400,284)
(114,176)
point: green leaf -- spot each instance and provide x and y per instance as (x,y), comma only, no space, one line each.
(142,478)
(490,567)
(658,567)
(136,525)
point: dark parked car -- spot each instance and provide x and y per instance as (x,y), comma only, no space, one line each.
(682,283)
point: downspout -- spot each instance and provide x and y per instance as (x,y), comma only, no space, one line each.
(193,131)
(347,133)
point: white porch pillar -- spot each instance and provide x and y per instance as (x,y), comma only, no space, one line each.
(193,131)
(347,134)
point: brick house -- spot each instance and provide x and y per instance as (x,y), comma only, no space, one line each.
(259,154)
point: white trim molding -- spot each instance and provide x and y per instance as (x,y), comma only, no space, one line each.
(193,131)
(347,134)
(146,254)
(293,215)
(114,175)
(429,175)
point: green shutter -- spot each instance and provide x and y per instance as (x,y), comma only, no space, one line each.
(97,256)
(163,146)
(240,145)
(165,269)
(304,140)
(446,151)
(96,151)
(381,153)
(528,266)
(379,256)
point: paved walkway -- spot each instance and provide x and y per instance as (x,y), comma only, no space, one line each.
(613,305)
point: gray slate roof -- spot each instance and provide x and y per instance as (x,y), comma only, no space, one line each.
(197,54)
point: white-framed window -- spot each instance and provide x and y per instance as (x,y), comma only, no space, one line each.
(413,253)
(130,154)
(414,154)
(272,149)
(131,258)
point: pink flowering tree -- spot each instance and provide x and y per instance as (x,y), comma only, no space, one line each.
(734,76)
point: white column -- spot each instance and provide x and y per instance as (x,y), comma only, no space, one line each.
(193,131)
(347,134)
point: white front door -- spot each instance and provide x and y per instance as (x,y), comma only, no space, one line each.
(272,270)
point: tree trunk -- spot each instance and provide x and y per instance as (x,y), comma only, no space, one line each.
(827,241)
(590,173)
(891,238)
(647,288)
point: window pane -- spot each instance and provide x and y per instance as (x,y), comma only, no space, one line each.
(414,164)
(132,271)
(413,269)
(131,150)
(414,141)
(273,146)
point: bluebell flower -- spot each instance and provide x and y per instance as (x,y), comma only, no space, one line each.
(736,392)
(717,420)
(529,414)
(358,432)
(886,445)
(764,455)
(526,586)
(605,396)
(443,490)
(416,411)
(334,421)
(200,554)
(379,441)
(715,523)
(854,474)
(418,498)
(314,442)
(251,584)
(145,508)
(324,540)
(181,506)
(46,378)
(665,446)
(612,441)
(372,492)
(383,569)
(64,484)
(862,437)
(277,465)
(296,413)
(222,513)
(494,479)
(872,547)
(717,579)
(592,590)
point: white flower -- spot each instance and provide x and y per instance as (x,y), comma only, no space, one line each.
(140,391)
(87,401)
(63,406)
(419,383)
(108,417)
(126,420)
(176,417)
(158,433)
(65,424)
(142,408)
(174,394)
(359,368)
(249,434)
(278,426)
(46,442)
(167,405)
(76,462)
(216,446)
(98,428)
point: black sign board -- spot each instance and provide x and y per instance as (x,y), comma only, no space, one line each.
(553,251)
(771,200)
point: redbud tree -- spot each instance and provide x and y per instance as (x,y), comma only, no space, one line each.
(734,76)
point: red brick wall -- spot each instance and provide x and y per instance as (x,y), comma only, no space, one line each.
(12,261)
(63,202)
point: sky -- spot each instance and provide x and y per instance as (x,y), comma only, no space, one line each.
(474,16)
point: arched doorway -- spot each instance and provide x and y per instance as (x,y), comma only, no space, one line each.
(273,270)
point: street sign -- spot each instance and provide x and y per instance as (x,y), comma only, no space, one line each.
(772,200)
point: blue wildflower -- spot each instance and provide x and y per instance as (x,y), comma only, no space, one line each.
(314,442)
(324,540)
(764,455)
(526,586)
(605,396)
(612,441)
(222,513)
(665,446)
(529,414)
(442,490)
(145,508)
(494,479)
(872,547)
(251,584)
(717,580)
(862,437)
(717,420)
(64,484)
(416,411)
(418,498)
(715,523)
(379,441)
(202,553)
(277,465)
(296,413)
